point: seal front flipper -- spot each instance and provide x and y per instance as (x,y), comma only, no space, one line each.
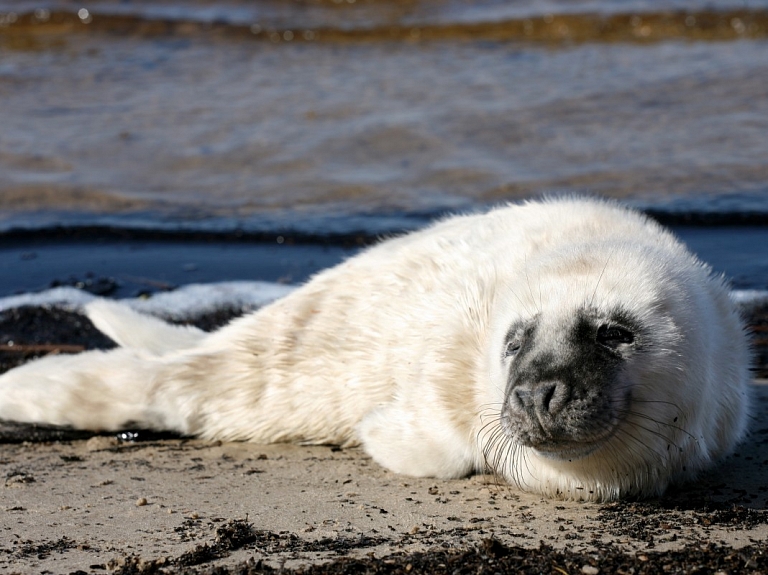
(399,437)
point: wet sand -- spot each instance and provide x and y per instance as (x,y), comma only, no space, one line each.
(182,505)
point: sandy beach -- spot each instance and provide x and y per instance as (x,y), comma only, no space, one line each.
(173,505)
(110,504)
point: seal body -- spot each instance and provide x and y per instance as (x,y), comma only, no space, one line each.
(573,347)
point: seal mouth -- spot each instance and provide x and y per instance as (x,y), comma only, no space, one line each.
(566,443)
(565,450)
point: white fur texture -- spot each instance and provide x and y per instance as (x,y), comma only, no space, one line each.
(400,349)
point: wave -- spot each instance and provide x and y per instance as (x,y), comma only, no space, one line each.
(335,225)
(550,28)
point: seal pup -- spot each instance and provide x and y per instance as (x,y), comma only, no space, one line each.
(573,347)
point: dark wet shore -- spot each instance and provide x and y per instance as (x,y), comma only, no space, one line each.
(132,262)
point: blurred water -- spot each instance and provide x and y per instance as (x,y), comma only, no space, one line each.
(348,115)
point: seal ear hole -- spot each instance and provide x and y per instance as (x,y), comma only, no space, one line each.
(613,336)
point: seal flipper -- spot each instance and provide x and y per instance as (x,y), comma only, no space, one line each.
(400,438)
(129,328)
(96,390)
(108,390)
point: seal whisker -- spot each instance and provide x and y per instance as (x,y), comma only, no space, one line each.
(661,455)
(520,301)
(499,456)
(600,277)
(640,444)
(493,454)
(528,283)
(633,446)
(659,401)
(488,436)
(655,433)
(497,405)
(541,301)
(661,423)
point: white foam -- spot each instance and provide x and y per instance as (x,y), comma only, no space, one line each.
(196,299)
(187,301)
(67,297)
(750,300)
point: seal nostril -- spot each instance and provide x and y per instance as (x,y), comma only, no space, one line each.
(546,396)
(551,397)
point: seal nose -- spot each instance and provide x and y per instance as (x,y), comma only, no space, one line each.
(544,398)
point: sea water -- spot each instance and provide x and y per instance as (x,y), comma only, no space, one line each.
(331,118)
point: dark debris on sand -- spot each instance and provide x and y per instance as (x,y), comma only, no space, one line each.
(492,557)
(660,520)
(488,557)
(29,332)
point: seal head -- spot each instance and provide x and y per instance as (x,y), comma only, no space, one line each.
(565,398)
(618,367)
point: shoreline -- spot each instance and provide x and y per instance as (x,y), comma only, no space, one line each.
(125,263)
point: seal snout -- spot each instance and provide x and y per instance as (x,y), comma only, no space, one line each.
(555,419)
(538,411)
(537,414)
(542,400)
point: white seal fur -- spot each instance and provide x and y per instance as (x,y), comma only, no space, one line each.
(574,347)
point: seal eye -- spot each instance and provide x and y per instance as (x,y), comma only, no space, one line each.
(613,336)
(513,346)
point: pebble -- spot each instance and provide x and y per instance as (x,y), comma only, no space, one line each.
(141,502)
(589,570)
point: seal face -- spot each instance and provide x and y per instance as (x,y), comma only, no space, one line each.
(565,398)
